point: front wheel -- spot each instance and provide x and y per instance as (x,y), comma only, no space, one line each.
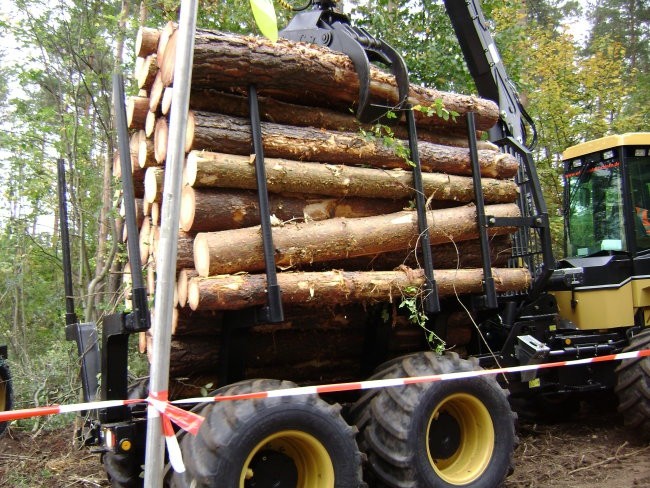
(287,442)
(441,434)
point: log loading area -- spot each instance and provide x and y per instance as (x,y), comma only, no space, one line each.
(341,203)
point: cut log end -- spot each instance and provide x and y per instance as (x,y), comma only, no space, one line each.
(146,41)
(201,255)
(188,207)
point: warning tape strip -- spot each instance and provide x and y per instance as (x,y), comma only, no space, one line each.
(191,422)
(392,382)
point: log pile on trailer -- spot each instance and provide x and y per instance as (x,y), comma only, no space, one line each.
(344,230)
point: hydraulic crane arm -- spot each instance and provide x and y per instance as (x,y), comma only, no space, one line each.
(488,71)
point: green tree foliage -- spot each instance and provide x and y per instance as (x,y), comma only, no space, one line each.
(55,101)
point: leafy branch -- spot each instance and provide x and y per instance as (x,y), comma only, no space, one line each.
(417,316)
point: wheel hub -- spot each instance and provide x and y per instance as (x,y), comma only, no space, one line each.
(444,436)
(272,469)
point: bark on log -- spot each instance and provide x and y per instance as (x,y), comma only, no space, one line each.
(136,112)
(184,255)
(305,74)
(139,215)
(187,322)
(223,209)
(238,250)
(466,254)
(232,135)
(207,169)
(321,118)
(146,152)
(233,292)
(146,41)
(137,175)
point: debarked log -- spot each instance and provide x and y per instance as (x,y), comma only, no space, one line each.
(233,292)
(232,251)
(221,209)
(208,169)
(232,135)
(309,75)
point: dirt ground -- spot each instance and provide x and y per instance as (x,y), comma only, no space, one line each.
(594,450)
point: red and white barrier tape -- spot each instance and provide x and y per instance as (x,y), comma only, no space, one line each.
(191,422)
(386,383)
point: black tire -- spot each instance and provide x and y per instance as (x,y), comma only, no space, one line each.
(280,440)
(472,418)
(6,393)
(125,470)
(633,386)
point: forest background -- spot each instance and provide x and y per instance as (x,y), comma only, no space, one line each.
(581,68)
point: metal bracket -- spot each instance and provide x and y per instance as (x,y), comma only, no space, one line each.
(325,27)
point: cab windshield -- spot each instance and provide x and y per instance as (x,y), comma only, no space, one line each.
(595,219)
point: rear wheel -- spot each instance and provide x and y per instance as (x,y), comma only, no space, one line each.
(288,442)
(633,386)
(443,434)
(6,392)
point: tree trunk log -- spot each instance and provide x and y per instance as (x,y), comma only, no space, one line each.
(206,169)
(184,254)
(160,137)
(153,184)
(223,209)
(321,118)
(183,283)
(465,254)
(238,250)
(147,72)
(186,322)
(136,112)
(156,93)
(146,152)
(233,292)
(309,75)
(232,135)
(146,41)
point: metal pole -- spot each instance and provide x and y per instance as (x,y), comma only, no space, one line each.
(159,371)
(70,315)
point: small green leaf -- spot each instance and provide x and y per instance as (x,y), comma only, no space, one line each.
(264,14)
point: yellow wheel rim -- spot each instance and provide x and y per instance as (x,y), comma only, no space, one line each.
(312,461)
(462,425)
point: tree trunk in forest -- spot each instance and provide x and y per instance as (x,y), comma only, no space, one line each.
(238,250)
(234,292)
(232,135)
(206,169)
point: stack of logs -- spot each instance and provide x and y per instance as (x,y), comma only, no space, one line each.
(341,202)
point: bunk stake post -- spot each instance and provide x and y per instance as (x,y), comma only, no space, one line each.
(488,280)
(274,312)
(430,299)
(70,315)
